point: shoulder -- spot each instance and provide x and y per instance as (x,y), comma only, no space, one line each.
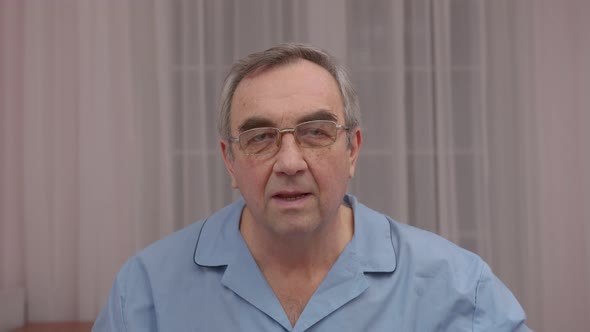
(179,247)
(417,248)
(158,262)
(155,275)
(434,271)
(429,248)
(131,302)
(448,270)
(419,259)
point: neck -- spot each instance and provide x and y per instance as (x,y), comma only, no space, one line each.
(307,254)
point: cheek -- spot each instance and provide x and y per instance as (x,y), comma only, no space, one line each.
(251,177)
(330,172)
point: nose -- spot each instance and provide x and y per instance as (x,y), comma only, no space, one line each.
(289,158)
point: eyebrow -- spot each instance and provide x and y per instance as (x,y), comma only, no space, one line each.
(255,122)
(260,122)
(319,115)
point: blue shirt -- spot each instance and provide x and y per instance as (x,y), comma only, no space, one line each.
(390,277)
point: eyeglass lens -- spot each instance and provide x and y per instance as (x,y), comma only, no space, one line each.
(312,134)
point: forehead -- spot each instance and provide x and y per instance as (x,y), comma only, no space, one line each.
(285,94)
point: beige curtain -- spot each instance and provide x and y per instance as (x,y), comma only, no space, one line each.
(475,124)
(561,71)
(86,155)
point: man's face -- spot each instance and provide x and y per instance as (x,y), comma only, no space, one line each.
(295,190)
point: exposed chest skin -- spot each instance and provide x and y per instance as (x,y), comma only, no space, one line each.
(294,291)
(295,268)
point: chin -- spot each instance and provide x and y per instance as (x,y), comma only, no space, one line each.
(294,227)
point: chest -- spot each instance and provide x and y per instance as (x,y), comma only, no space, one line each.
(340,307)
(293,294)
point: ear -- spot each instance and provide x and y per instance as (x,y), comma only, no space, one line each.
(229,163)
(356,139)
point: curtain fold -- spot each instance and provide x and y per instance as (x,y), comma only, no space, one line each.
(86,149)
(11,145)
(125,131)
(12,267)
(562,76)
(511,228)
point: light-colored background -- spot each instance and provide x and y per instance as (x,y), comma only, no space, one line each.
(476,124)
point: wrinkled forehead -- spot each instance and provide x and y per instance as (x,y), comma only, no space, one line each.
(286,92)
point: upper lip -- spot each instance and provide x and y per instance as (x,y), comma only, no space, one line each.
(289,193)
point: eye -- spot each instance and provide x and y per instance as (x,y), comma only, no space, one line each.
(258,136)
(261,137)
(313,132)
(316,132)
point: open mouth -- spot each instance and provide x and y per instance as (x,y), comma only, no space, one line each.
(291,197)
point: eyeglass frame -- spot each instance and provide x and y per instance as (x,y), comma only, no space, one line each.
(281,132)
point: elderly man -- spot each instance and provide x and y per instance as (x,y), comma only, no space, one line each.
(297,253)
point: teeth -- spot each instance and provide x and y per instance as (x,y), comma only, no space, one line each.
(292,198)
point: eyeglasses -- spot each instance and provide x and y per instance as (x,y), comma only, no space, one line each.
(311,134)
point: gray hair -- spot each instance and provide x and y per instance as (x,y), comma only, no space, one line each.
(284,54)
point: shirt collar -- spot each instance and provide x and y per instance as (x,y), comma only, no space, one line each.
(219,241)
(373,238)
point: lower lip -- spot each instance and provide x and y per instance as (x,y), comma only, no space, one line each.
(291,203)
